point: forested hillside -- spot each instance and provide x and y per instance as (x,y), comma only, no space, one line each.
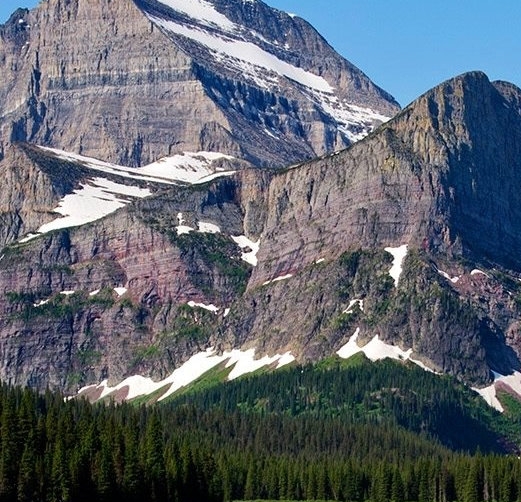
(353,433)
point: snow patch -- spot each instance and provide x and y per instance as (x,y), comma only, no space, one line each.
(454,280)
(202,11)
(348,116)
(320,260)
(183,229)
(246,56)
(94,293)
(399,255)
(244,243)
(286,359)
(208,228)
(376,350)
(352,303)
(490,393)
(241,362)
(479,272)
(351,347)
(95,199)
(211,307)
(67,293)
(41,303)
(187,167)
(120,291)
(245,362)
(277,279)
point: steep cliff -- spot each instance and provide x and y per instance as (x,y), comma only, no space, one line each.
(408,238)
(138,87)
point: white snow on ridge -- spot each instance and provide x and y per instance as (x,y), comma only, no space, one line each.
(243,362)
(347,115)
(246,56)
(376,350)
(189,167)
(399,255)
(203,12)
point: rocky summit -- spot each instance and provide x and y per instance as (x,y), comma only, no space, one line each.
(136,80)
(206,183)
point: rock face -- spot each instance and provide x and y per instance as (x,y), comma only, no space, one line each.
(440,178)
(140,86)
(435,177)
(257,85)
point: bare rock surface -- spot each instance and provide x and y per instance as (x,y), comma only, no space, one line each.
(105,79)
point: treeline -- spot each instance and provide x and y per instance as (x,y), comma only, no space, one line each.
(386,392)
(203,448)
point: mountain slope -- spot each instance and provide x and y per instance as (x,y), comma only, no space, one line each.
(151,92)
(373,244)
(267,91)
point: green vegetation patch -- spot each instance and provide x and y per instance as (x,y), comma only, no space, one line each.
(191,324)
(207,252)
(58,306)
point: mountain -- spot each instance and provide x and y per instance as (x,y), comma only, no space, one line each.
(379,248)
(255,84)
(159,78)
(154,232)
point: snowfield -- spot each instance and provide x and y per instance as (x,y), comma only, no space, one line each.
(399,255)
(511,382)
(188,167)
(232,45)
(240,362)
(244,243)
(376,350)
(98,197)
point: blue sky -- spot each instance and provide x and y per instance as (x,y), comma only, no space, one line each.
(409,46)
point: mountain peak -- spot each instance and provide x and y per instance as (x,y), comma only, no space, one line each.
(180,76)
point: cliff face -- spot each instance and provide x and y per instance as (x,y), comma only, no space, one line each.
(132,90)
(322,272)
(257,85)
(434,177)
